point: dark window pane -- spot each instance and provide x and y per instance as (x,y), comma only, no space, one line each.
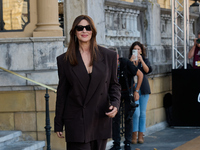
(15,14)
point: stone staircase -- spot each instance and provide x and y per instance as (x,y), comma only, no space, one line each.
(11,140)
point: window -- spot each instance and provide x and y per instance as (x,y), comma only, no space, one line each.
(14,15)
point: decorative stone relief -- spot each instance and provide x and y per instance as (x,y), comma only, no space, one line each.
(166,31)
(191,31)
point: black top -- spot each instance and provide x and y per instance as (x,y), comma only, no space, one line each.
(90,76)
(145,88)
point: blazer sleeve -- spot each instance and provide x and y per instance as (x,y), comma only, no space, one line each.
(114,87)
(62,91)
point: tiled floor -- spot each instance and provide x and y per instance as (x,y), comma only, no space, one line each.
(167,139)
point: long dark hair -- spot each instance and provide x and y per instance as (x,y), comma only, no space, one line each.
(74,45)
(140,45)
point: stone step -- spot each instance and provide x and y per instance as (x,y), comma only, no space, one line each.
(11,140)
(24,145)
(8,137)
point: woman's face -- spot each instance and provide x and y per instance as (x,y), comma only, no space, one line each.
(83,34)
(138,49)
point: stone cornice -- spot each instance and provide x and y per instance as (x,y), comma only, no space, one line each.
(31,39)
(134,5)
(168,11)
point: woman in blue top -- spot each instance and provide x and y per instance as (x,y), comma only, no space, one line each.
(139,116)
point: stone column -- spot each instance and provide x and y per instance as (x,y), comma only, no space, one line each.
(131,20)
(120,20)
(111,19)
(107,19)
(115,19)
(128,20)
(48,24)
(124,20)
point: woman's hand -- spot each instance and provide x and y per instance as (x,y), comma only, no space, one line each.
(59,134)
(136,96)
(140,58)
(133,58)
(113,112)
(195,41)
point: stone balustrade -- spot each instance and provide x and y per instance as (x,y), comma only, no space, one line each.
(121,26)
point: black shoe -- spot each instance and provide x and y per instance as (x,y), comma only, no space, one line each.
(127,147)
(115,147)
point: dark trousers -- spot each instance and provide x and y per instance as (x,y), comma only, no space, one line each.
(128,123)
(93,145)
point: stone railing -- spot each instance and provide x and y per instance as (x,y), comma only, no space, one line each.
(121,23)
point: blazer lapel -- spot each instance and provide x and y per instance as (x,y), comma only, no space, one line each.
(98,72)
(81,72)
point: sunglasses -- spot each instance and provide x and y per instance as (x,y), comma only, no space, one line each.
(80,28)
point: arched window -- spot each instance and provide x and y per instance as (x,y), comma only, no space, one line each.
(14,15)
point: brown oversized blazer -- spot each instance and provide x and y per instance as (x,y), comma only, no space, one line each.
(80,104)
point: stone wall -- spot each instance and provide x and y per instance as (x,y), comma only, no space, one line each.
(160,85)
(25,110)
(34,58)
(22,102)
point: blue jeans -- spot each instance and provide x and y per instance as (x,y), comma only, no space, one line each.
(139,116)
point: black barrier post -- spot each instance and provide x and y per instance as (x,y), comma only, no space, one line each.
(47,127)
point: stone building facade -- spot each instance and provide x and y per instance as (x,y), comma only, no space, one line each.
(32,53)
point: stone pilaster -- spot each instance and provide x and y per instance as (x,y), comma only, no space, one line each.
(155,51)
(48,25)
(92,8)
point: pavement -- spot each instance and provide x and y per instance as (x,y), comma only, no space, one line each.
(167,139)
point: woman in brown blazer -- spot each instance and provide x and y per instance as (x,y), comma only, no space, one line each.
(88,93)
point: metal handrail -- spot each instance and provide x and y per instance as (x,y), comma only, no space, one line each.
(43,85)
(47,127)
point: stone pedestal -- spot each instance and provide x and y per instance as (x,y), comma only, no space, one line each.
(48,24)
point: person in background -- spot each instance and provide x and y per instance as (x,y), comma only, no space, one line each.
(129,94)
(139,116)
(87,77)
(195,52)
